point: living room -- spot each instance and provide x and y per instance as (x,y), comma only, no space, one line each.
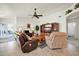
(42,21)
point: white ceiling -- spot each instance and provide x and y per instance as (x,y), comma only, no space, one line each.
(25,9)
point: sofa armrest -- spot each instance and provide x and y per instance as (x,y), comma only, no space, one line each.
(29,46)
(30,42)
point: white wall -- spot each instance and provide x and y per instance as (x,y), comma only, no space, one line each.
(55,18)
(71,28)
(48,19)
(76,20)
(22,22)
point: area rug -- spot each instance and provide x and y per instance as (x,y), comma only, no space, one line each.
(43,44)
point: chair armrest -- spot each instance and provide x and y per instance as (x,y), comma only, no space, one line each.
(29,42)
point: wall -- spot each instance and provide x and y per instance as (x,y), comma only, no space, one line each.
(18,22)
(76,20)
(23,21)
(71,28)
(55,18)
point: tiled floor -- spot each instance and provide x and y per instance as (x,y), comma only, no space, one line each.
(12,48)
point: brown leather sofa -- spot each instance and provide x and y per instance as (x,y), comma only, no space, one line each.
(57,40)
(26,44)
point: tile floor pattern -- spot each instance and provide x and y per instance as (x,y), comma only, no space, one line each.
(13,49)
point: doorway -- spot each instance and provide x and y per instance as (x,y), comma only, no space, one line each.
(71,29)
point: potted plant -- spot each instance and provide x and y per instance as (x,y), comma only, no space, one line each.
(37,29)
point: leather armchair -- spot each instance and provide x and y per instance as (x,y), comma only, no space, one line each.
(26,44)
(57,40)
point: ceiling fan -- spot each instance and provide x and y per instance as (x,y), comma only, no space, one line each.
(35,14)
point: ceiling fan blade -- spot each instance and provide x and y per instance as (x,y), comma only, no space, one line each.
(35,14)
(39,15)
